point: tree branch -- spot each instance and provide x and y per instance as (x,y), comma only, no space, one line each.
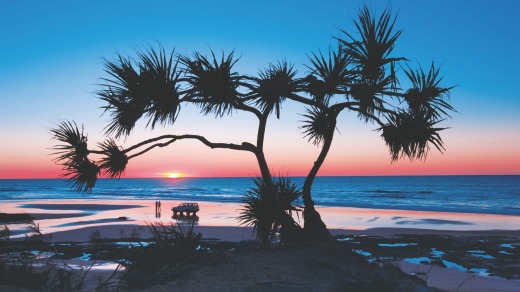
(251,109)
(307,101)
(243,147)
(338,107)
(151,147)
(343,105)
(240,106)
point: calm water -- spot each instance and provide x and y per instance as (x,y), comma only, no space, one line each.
(469,194)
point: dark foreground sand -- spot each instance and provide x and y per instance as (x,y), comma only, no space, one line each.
(438,277)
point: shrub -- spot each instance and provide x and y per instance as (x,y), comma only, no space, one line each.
(258,211)
(165,258)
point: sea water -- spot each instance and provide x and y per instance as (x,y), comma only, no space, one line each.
(461,194)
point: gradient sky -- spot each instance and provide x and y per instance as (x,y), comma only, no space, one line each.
(51,60)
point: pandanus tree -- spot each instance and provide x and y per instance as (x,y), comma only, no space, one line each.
(359,76)
(154,86)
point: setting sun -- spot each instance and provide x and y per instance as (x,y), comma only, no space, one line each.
(173,175)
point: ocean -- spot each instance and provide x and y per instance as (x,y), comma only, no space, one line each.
(460,194)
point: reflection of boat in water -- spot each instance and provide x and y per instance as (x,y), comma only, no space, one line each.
(186,218)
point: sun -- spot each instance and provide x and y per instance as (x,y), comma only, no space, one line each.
(173,175)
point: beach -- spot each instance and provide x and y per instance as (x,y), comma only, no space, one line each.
(77,220)
(61,215)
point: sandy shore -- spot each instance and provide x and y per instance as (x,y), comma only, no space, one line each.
(81,217)
(77,220)
(115,231)
(236,234)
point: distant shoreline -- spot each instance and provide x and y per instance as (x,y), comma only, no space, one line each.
(296,176)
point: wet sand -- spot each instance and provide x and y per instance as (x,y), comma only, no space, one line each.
(75,220)
(55,216)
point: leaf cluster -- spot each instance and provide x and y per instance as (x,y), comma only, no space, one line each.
(409,133)
(147,87)
(212,83)
(273,86)
(73,155)
(362,75)
(166,257)
(258,210)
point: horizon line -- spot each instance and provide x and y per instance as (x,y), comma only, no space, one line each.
(294,176)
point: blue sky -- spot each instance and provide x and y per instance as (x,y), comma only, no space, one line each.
(51,57)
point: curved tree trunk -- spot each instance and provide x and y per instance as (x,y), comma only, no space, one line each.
(314,228)
(291,231)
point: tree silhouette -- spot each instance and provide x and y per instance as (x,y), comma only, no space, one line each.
(359,76)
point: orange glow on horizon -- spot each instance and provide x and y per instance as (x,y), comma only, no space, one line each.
(194,160)
(173,175)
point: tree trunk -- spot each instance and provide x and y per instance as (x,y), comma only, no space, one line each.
(290,230)
(314,228)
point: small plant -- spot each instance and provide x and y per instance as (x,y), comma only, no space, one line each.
(95,236)
(135,232)
(36,269)
(258,211)
(167,256)
(5,233)
(35,234)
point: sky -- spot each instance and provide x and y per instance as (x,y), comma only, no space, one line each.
(51,62)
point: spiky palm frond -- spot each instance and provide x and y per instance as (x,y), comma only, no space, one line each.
(315,125)
(426,92)
(148,86)
(372,64)
(82,176)
(160,81)
(122,92)
(74,147)
(114,161)
(213,83)
(81,173)
(410,133)
(372,52)
(288,192)
(124,115)
(369,93)
(328,76)
(273,85)
(259,211)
